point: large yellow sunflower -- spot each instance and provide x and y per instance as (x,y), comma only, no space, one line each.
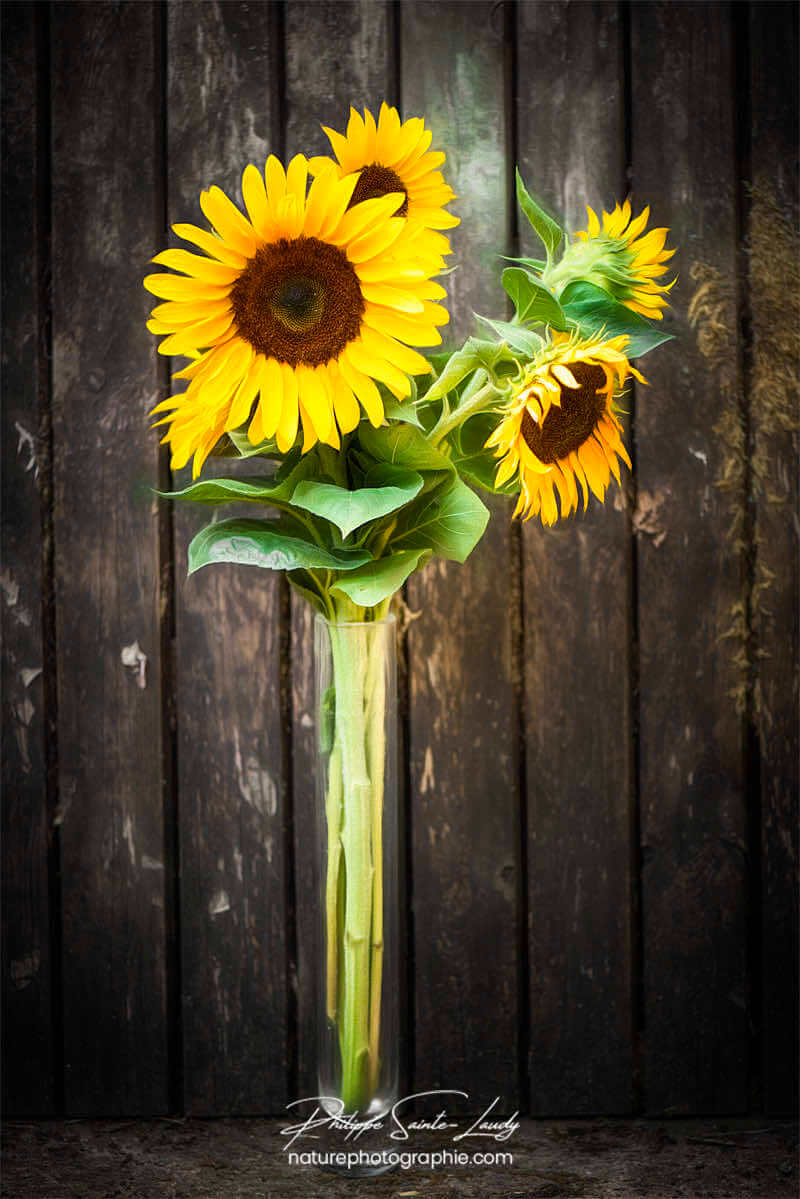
(561,425)
(394,156)
(619,257)
(291,313)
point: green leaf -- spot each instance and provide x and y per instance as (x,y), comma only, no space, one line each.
(270,544)
(259,489)
(474,462)
(533,302)
(592,309)
(524,341)
(449,521)
(405,411)
(474,354)
(548,230)
(402,445)
(386,489)
(370,584)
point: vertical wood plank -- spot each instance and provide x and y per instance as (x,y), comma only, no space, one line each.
(231,772)
(107,573)
(576,604)
(691,580)
(775,607)
(28,1050)
(337,54)
(462,715)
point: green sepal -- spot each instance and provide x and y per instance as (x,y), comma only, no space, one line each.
(534,304)
(245,449)
(593,310)
(270,544)
(449,521)
(548,230)
(386,488)
(404,411)
(376,581)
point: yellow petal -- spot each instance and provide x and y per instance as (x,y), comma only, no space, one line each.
(271,400)
(228,221)
(254,194)
(197,266)
(286,432)
(212,244)
(365,390)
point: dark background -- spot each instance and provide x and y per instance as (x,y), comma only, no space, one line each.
(600,771)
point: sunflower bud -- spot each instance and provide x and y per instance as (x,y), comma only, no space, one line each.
(619,260)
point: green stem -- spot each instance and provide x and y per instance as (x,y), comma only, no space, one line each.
(349,675)
(483,398)
(333,813)
(376,759)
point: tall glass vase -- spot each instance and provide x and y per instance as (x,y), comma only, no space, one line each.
(357,833)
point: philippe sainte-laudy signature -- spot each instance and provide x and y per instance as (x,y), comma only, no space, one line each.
(397,1121)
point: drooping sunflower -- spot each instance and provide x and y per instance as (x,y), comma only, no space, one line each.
(394,156)
(291,313)
(561,428)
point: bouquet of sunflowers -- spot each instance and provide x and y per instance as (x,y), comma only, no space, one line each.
(310,321)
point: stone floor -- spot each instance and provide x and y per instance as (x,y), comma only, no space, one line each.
(247,1159)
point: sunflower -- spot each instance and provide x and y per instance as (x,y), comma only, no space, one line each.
(561,425)
(621,258)
(291,313)
(394,156)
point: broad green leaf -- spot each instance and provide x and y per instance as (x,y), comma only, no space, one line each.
(386,489)
(533,302)
(274,489)
(402,445)
(524,341)
(270,544)
(593,309)
(548,230)
(475,353)
(369,585)
(449,521)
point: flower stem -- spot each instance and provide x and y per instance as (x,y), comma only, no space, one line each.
(483,398)
(349,674)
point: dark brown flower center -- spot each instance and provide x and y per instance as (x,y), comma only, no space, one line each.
(376,180)
(298,301)
(566,428)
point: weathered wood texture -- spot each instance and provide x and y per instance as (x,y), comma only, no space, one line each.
(602,717)
(462,716)
(29,1054)
(231,774)
(337,54)
(691,580)
(774,283)
(577,621)
(106,560)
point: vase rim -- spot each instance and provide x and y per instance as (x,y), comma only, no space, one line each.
(390,618)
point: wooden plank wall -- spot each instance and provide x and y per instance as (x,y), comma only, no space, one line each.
(599,769)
